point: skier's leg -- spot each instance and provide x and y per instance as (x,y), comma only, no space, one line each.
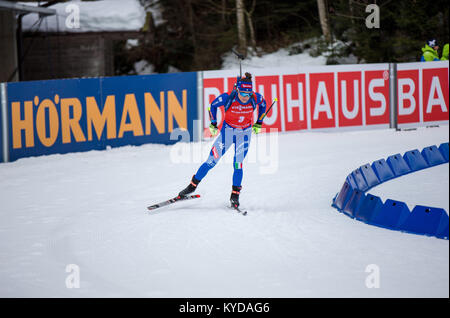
(242,145)
(220,146)
(214,157)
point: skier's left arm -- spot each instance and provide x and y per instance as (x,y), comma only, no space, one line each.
(261,105)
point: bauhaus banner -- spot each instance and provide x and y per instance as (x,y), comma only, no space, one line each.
(71,115)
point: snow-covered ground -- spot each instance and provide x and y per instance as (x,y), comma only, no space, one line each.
(281,58)
(89,210)
(286,57)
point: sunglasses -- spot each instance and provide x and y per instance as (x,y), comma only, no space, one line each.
(245,94)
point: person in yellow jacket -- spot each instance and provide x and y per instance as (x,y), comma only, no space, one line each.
(430,51)
(445,53)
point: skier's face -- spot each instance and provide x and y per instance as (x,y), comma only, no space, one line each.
(244,96)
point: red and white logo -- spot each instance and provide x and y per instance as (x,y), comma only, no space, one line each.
(377,97)
(215,153)
(408,96)
(435,94)
(322,100)
(295,102)
(350,101)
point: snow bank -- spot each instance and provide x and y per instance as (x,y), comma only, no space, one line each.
(280,58)
(287,57)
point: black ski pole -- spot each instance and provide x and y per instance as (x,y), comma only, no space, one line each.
(240,57)
(264,114)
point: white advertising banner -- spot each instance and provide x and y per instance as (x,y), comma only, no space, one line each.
(339,96)
(422,90)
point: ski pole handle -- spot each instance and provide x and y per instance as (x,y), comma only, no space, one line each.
(210,114)
(264,114)
(240,56)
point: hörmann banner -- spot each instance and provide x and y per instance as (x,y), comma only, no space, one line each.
(341,96)
(61,116)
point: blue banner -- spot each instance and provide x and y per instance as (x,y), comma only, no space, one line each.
(61,116)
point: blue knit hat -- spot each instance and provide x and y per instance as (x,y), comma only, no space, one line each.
(432,43)
(245,84)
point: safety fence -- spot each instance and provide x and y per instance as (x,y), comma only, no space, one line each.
(71,115)
(353,201)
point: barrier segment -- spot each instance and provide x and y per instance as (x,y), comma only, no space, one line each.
(343,196)
(432,155)
(391,215)
(415,160)
(369,176)
(423,220)
(443,148)
(398,165)
(442,231)
(382,170)
(351,181)
(359,180)
(369,207)
(354,203)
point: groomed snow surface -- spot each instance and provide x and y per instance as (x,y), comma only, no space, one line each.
(89,209)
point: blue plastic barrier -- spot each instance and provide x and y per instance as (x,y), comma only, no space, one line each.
(343,196)
(369,207)
(443,148)
(359,179)
(391,215)
(398,165)
(442,231)
(382,170)
(369,175)
(395,215)
(351,181)
(353,203)
(415,160)
(433,156)
(423,220)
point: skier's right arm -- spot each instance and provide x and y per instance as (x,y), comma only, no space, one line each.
(216,103)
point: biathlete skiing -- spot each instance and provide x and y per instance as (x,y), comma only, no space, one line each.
(239,105)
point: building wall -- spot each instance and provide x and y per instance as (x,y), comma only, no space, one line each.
(8,49)
(67,56)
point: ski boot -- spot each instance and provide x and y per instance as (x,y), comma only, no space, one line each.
(234,199)
(190,188)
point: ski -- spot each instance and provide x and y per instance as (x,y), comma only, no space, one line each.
(238,210)
(170,201)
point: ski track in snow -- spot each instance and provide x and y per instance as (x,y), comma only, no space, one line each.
(89,209)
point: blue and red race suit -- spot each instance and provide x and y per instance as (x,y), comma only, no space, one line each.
(236,130)
(238,114)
